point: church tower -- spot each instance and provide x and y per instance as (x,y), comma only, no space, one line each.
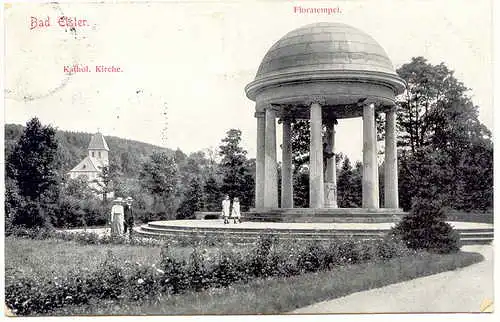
(98,149)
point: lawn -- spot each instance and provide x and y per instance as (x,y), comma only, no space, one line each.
(58,257)
(26,257)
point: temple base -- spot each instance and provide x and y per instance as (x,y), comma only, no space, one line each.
(325,215)
(249,232)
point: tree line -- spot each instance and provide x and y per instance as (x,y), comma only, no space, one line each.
(444,152)
(165,184)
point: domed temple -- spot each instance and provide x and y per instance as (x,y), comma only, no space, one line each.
(324,72)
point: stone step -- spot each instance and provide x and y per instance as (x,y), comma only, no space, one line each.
(475,230)
(241,234)
(476,241)
(321,219)
(329,211)
(257,233)
(470,235)
(252,237)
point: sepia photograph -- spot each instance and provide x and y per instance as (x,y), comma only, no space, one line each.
(248,157)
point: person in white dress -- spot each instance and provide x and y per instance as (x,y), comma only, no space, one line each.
(117,217)
(226,205)
(235,211)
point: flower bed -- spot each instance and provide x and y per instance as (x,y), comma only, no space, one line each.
(115,279)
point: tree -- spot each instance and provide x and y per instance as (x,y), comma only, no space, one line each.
(429,88)
(349,185)
(301,188)
(237,179)
(33,180)
(106,180)
(193,200)
(33,163)
(445,150)
(212,195)
(158,176)
(300,141)
(78,205)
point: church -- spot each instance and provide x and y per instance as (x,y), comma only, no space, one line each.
(94,162)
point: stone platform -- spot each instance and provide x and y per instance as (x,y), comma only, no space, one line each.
(320,215)
(471,233)
(325,215)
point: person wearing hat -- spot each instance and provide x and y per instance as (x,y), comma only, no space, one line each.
(129,216)
(235,210)
(226,206)
(117,217)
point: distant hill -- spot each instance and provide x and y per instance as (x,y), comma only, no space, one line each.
(128,154)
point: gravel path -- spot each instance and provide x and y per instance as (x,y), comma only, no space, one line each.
(462,290)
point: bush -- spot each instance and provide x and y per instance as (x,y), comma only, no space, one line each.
(312,258)
(31,214)
(225,271)
(198,274)
(145,282)
(176,275)
(28,295)
(109,280)
(391,247)
(259,256)
(424,228)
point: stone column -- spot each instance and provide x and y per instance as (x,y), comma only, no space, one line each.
(260,159)
(370,171)
(286,169)
(331,171)
(391,161)
(270,166)
(316,187)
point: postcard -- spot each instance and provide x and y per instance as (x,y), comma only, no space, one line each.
(220,158)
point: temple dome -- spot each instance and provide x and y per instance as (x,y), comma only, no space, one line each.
(325,46)
(333,52)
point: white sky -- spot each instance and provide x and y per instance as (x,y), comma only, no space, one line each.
(197,58)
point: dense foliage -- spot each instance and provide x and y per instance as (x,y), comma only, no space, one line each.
(164,184)
(236,170)
(425,228)
(445,151)
(115,279)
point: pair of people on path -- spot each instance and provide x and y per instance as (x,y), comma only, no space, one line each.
(231,212)
(122,217)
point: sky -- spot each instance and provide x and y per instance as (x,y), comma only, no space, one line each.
(185,64)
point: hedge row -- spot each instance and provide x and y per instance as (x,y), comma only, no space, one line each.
(118,280)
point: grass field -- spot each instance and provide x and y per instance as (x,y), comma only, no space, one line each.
(52,256)
(24,257)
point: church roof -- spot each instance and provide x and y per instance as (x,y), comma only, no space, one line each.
(89,164)
(86,165)
(97,142)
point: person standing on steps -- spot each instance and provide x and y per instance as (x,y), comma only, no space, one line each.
(226,205)
(129,216)
(235,211)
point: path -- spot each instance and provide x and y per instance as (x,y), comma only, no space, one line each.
(462,290)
